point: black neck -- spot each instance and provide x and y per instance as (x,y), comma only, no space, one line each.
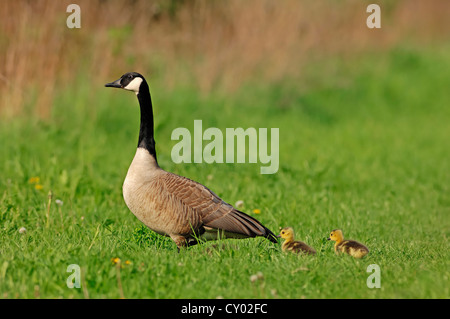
(146,139)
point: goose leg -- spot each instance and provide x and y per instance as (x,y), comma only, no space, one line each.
(191,242)
(183,242)
(179,240)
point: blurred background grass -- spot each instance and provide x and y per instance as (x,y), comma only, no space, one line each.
(209,45)
(363,117)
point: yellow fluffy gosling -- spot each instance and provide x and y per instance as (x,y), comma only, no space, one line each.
(290,244)
(351,247)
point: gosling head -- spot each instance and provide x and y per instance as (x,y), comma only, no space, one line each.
(130,81)
(287,233)
(336,235)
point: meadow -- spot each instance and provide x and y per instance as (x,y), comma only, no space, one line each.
(363,147)
(369,158)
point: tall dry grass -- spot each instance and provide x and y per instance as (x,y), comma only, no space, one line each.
(209,44)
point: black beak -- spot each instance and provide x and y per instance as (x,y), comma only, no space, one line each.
(328,238)
(115,84)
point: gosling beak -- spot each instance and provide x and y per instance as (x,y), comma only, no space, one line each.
(115,84)
(278,236)
(328,238)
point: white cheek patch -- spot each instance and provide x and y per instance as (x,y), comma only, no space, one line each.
(134,85)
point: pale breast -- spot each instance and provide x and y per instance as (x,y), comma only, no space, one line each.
(146,194)
(140,188)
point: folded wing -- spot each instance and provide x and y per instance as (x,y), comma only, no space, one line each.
(212,211)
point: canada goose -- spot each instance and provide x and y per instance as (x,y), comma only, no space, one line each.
(290,244)
(351,247)
(173,205)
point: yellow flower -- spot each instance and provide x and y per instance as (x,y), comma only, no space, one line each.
(127,262)
(34,180)
(115,260)
(257,211)
(38,187)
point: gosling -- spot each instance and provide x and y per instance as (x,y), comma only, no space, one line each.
(293,246)
(351,247)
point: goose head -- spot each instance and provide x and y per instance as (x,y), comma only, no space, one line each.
(336,235)
(130,81)
(287,234)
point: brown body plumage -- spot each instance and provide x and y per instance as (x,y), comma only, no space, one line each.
(292,245)
(173,205)
(181,208)
(350,247)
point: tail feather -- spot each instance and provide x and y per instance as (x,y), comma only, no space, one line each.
(235,221)
(263,231)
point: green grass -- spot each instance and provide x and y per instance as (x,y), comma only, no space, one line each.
(364,149)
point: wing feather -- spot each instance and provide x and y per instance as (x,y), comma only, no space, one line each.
(211,209)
